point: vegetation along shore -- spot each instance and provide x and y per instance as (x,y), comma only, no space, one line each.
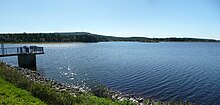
(41,90)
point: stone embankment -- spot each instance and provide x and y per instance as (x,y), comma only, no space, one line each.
(71,89)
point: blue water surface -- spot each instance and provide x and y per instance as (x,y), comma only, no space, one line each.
(161,71)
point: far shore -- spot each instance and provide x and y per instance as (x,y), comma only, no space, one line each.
(104,41)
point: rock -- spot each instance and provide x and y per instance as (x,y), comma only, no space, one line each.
(140,100)
(133,100)
(122,99)
(141,104)
(62,90)
(73,94)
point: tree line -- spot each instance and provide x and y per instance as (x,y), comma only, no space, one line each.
(86,37)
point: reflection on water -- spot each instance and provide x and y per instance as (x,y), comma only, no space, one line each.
(163,71)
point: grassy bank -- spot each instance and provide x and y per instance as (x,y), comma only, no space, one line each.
(11,95)
(50,96)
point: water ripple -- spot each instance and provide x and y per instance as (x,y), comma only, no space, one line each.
(163,71)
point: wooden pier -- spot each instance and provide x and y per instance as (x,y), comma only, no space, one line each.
(26,55)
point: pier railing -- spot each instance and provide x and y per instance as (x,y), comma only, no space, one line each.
(21,50)
(26,55)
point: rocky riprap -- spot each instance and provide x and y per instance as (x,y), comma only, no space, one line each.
(71,89)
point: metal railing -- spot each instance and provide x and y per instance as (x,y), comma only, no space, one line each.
(22,50)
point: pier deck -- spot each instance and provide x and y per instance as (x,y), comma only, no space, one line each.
(16,51)
(26,55)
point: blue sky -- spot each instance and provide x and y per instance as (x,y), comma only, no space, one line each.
(148,18)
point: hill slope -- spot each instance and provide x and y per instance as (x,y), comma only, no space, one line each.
(86,37)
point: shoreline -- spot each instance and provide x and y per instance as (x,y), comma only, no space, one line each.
(69,42)
(107,41)
(71,89)
(105,94)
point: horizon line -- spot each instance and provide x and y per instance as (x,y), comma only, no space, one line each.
(173,36)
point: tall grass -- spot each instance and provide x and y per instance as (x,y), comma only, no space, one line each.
(10,95)
(50,95)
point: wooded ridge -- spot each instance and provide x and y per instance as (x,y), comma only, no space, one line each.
(86,37)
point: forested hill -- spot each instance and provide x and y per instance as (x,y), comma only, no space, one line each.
(86,37)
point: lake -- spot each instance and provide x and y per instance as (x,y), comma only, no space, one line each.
(161,71)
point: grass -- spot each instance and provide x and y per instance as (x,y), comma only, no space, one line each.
(11,95)
(49,95)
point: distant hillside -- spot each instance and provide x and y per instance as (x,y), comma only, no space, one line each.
(184,40)
(86,37)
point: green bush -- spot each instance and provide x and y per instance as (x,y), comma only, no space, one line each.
(10,95)
(101,91)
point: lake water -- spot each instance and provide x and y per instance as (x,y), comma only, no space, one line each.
(161,71)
